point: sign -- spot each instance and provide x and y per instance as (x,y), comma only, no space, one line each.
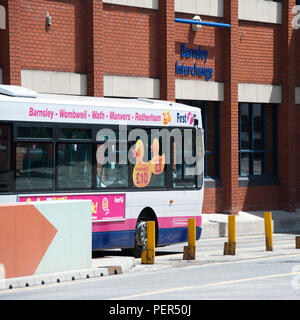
(143,171)
(200,55)
(24,111)
(105,207)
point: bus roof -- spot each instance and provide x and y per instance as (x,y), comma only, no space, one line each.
(15,94)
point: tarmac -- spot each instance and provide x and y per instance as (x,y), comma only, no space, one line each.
(213,226)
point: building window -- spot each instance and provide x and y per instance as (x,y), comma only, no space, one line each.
(257,139)
(211,125)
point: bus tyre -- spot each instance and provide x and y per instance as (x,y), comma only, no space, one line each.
(141,234)
(140,239)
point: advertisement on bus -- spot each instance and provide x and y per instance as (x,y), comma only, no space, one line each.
(105,207)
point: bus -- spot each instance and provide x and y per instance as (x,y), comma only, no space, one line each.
(136,160)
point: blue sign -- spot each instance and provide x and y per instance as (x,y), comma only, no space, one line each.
(195,71)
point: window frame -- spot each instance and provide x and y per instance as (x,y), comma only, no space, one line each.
(202,105)
(251,150)
(55,140)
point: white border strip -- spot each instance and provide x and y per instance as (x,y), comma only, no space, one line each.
(213,8)
(260,93)
(260,11)
(54,82)
(132,87)
(199,90)
(148,4)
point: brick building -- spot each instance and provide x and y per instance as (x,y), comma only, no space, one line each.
(245,79)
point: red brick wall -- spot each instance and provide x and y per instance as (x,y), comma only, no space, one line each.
(167,48)
(62,47)
(98,39)
(131,47)
(210,39)
(259,198)
(213,200)
(258,52)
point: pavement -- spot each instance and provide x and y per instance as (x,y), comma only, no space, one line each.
(214,226)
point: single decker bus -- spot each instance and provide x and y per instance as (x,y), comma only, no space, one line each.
(136,160)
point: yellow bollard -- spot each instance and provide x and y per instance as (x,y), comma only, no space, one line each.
(297,242)
(231,229)
(229,247)
(148,255)
(268,231)
(189,252)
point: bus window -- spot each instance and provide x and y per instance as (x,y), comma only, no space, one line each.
(74,167)
(200,153)
(184,161)
(149,165)
(111,172)
(6,173)
(34,166)
(111,159)
(74,133)
(35,132)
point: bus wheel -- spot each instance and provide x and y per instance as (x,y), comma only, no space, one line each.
(140,240)
(141,232)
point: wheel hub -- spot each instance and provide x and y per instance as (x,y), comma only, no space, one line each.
(141,234)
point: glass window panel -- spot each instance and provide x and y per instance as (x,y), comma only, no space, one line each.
(269,129)
(258,163)
(5,144)
(200,157)
(6,173)
(74,133)
(257,127)
(34,132)
(210,114)
(177,164)
(263,121)
(150,170)
(110,172)
(74,170)
(34,166)
(184,162)
(244,134)
(157,159)
(245,161)
(189,171)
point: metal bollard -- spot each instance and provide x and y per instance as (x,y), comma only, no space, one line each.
(229,247)
(297,242)
(268,231)
(148,255)
(189,252)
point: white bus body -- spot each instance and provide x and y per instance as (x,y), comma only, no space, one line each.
(34,163)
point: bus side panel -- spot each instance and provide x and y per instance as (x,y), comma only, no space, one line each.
(113,239)
(168,236)
(113,234)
